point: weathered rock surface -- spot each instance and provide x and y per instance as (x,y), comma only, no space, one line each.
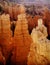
(6,37)
(22,40)
(40,48)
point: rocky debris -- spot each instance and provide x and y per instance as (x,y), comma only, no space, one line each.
(39,51)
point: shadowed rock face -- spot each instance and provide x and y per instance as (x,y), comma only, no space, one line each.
(46,19)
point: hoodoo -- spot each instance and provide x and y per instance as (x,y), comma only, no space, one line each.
(22,40)
(40,49)
(6,43)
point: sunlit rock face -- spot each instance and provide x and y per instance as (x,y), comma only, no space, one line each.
(5,20)
(22,9)
(14,49)
(33,21)
(6,42)
(39,51)
(22,41)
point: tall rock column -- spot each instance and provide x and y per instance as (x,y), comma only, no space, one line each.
(39,51)
(6,35)
(22,40)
